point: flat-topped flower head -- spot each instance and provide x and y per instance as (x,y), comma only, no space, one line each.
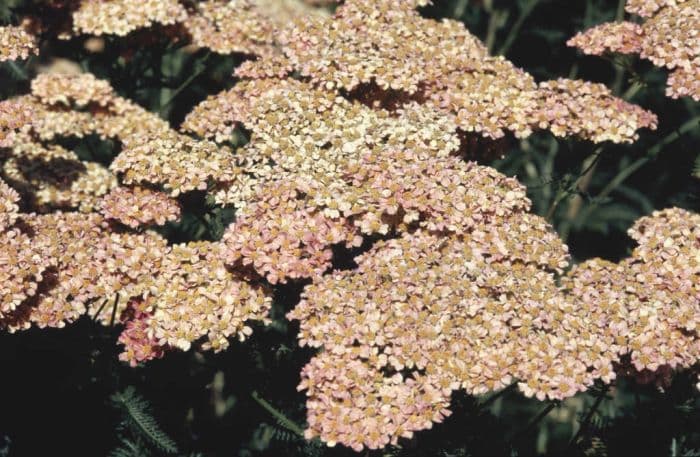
(426,311)
(176,162)
(72,90)
(193,296)
(55,178)
(649,304)
(646,8)
(668,37)
(90,262)
(234,26)
(120,17)
(441,64)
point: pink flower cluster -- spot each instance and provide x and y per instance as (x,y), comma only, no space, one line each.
(139,206)
(424,315)
(668,37)
(465,290)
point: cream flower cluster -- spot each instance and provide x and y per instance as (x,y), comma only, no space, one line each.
(120,17)
(235,26)
(16,43)
(57,267)
(668,37)
(74,106)
(14,117)
(223,26)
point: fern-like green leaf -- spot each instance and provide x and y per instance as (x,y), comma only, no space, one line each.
(129,448)
(138,417)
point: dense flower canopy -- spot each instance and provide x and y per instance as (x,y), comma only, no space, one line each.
(424,314)
(668,37)
(440,63)
(360,127)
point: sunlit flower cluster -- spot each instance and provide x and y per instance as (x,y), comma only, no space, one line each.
(195,295)
(120,17)
(88,262)
(174,161)
(646,8)
(389,44)
(668,37)
(16,43)
(650,302)
(235,26)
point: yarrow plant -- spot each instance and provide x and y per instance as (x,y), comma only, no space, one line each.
(363,128)
(667,36)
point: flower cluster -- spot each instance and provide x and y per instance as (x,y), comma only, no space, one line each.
(59,266)
(120,17)
(236,26)
(424,314)
(668,37)
(84,262)
(224,26)
(195,295)
(389,44)
(14,117)
(78,105)
(175,162)
(16,43)
(138,206)
(648,304)
(463,290)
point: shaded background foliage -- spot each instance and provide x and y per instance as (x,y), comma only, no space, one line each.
(65,392)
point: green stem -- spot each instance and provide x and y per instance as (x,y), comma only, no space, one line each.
(459,8)
(281,418)
(99,310)
(513,34)
(586,175)
(653,152)
(114,310)
(498,395)
(536,420)
(632,90)
(582,184)
(21,72)
(183,86)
